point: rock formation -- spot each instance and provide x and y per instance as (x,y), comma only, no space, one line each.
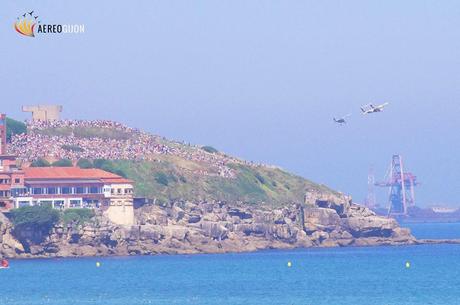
(212,227)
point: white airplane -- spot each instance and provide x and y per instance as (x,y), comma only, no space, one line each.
(369,108)
(342,119)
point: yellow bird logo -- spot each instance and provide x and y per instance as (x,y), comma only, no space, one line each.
(25,25)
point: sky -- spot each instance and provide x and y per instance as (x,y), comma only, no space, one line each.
(260,80)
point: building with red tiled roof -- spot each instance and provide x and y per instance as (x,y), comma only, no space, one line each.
(69,173)
(74,187)
(11,181)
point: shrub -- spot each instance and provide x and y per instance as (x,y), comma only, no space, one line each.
(120,172)
(85,163)
(260,178)
(209,149)
(14,127)
(100,163)
(108,166)
(63,163)
(40,163)
(78,216)
(162,178)
(39,218)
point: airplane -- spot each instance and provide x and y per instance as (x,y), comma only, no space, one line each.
(31,13)
(24,15)
(366,109)
(36,17)
(342,119)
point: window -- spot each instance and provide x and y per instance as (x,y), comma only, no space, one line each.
(23,204)
(66,190)
(17,180)
(75,203)
(15,192)
(52,191)
(119,191)
(80,190)
(94,190)
(46,203)
(37,191)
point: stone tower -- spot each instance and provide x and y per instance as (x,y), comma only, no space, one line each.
(44,112)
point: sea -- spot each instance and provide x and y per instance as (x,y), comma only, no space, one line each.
(402,275)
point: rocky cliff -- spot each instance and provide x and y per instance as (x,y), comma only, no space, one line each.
(211,227)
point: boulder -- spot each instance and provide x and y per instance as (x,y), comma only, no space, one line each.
(371,226)
(324,218)
(256,229)
(214,230)
(239,213)
(177,213)
(194,218)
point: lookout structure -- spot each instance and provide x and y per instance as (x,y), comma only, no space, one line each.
(44,113)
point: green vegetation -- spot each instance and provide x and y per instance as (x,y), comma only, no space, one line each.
(209,149)
(260,178)
(85,163)
(108,166)
(77,216)
(40,163)
(39,218)
(63,163)
(161,178)
(167,180)
(73,148)
(14,127)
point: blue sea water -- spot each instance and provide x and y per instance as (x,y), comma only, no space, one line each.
(435,230)
(335,276)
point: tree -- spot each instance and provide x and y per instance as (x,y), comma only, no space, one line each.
(85,163)
(77,216)
(63,163)
(41,218)
(162,178)
(209,149)
(14,127)
(108,166)
(40,163)
(260,178)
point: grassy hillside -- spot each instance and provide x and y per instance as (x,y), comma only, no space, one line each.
(172,176)
(167,180)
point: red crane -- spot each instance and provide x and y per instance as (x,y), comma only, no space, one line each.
(401,185)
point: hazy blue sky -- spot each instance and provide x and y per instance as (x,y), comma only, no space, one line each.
(258,79)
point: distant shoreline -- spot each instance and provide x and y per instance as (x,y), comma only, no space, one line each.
(412,221)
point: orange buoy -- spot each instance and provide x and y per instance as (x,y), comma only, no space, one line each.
(5,263)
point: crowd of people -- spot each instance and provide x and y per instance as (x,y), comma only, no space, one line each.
(41,125)
(39,142)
